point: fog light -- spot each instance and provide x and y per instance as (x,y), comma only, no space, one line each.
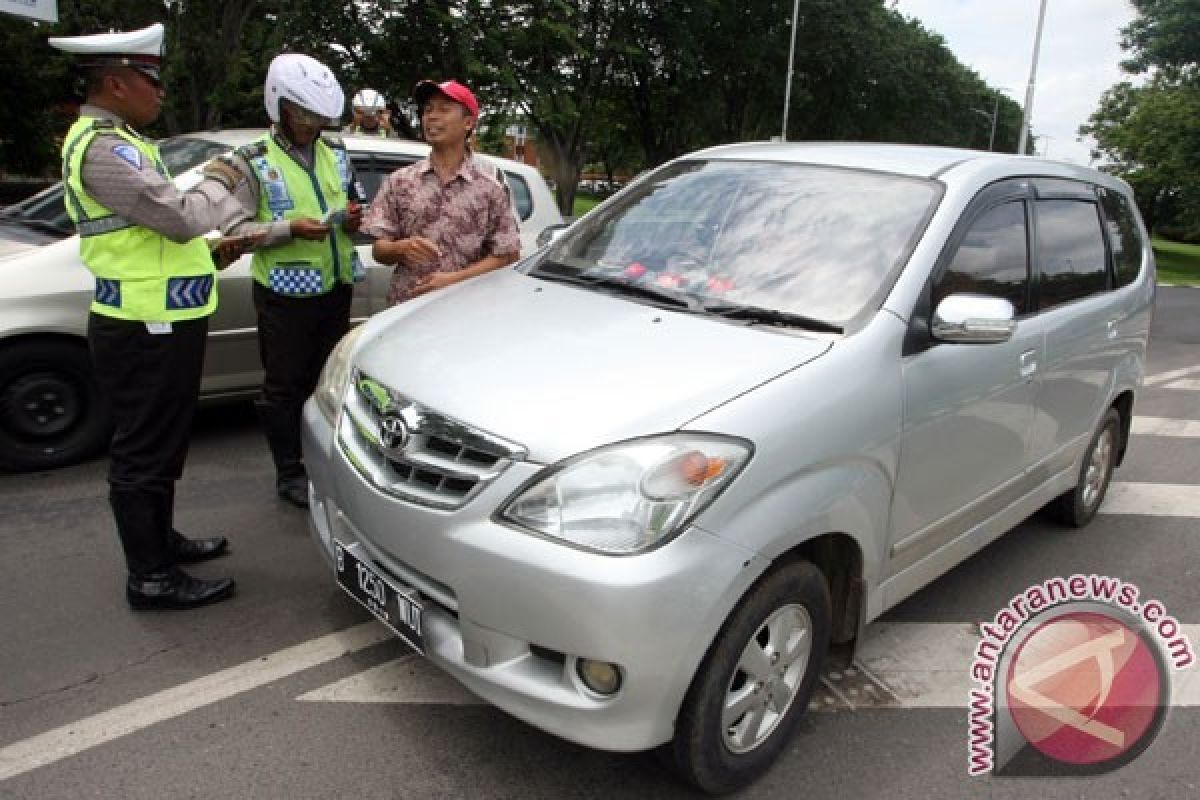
(599,676)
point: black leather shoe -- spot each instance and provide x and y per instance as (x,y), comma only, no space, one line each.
(174,589)
(294,490)
(189,551)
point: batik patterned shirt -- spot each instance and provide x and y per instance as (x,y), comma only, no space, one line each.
(469,217)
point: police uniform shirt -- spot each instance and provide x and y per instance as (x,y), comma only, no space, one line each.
(118,177)
(247,191)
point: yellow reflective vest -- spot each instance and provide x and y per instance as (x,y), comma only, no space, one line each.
(140,274)
(287,190)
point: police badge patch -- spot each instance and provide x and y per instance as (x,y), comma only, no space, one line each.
(129,154)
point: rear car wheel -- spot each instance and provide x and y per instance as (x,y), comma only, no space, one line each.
(755,682)
(51,410)
(1077,507)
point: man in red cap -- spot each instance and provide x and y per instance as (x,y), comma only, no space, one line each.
(448,217)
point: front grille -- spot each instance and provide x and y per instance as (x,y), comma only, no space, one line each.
(415,453)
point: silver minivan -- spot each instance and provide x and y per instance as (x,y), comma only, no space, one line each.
(633,490)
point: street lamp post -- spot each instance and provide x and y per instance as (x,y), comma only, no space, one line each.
(993,117)
(787,92)
(1037,46)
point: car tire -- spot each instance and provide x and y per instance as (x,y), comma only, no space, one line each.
(755,681)
(51,409)
(1077,507)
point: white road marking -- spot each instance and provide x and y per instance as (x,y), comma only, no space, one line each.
(1163,426)
(1192,385)
(1167,377)
(75,737)
(927,665)
(1152,499)
(409,679)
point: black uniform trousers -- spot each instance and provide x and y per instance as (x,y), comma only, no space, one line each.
(151,382)
(295,336)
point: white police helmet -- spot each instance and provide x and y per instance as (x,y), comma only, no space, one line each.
(369,100)
(306,82)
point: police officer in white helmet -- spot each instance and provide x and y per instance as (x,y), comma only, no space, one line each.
(155,290)
(298,188)
(370,115)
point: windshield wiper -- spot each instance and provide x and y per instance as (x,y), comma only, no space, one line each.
(665,296)
(769,316)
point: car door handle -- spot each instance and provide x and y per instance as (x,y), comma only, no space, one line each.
(1112,328)
(1029,363)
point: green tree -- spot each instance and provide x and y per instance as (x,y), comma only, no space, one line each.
(1150,134)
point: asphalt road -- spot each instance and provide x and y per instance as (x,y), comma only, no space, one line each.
(97,701)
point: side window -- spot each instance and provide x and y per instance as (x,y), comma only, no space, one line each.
(992,259)
(1124,236)
(1071,259)
(522,199)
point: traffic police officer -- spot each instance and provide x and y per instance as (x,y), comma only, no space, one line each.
(370,115)
(300,189)
(155,290)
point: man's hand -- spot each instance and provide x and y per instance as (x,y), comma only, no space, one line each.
(230,248)
(435,281)
(354,218)
(308,228)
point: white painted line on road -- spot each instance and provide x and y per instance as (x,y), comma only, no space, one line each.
(927,665)
(1152,499)
(75,737)
(1167,377)
(1192,385)
(409,679)
(1164,426)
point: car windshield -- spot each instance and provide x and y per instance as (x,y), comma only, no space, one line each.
(46,210)
(815,243)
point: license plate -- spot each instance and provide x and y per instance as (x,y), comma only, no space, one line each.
(397,608)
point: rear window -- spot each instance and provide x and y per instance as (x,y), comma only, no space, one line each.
(1124,236)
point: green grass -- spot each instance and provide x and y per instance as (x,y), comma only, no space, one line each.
(584,203)
(1177,262)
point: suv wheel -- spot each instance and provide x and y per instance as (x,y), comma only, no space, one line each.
(1077,507)
(755,682)
(51,411)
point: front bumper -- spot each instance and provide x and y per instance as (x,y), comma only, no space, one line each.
(508,614)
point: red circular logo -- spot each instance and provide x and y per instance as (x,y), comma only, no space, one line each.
(1085,688)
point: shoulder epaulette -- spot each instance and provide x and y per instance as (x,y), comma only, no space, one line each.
(252,150)
(103,124)
(333,140)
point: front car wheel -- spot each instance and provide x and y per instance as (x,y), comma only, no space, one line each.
(755,682)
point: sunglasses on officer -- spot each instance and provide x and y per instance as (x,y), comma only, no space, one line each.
(302,116)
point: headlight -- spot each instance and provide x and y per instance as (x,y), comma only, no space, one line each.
(632,496)
(331,388)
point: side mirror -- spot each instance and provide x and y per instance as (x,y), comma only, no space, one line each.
(974,319)
(550,233)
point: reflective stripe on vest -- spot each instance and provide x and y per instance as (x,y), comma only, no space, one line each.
(287,191)
(140,274)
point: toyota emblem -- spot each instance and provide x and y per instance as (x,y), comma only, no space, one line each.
(393,433)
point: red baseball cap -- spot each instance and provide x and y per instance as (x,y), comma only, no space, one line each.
(452,89)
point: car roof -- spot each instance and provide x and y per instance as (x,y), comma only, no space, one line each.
(918,161)
(236,137)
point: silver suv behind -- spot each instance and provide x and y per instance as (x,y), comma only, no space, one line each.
(632,491)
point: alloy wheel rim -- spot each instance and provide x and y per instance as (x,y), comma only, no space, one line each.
(1097,469)
(766,678)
